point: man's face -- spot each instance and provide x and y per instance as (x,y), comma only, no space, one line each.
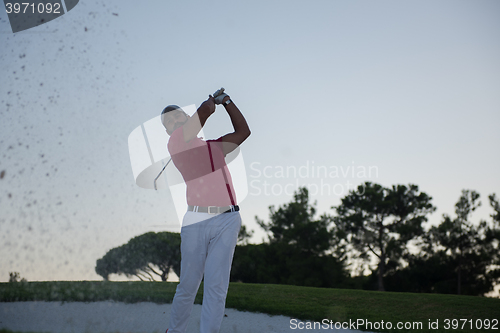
(173,120)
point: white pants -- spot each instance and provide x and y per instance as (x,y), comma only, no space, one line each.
(207,250)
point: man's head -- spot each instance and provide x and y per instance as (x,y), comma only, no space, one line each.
(173,117)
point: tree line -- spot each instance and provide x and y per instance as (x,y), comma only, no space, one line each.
(374,228)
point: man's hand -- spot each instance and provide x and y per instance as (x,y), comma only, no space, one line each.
(219,96)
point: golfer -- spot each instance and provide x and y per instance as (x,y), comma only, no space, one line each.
(210,226)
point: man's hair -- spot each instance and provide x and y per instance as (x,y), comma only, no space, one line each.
(171,108)
(168,109)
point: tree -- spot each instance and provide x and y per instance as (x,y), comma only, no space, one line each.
(145,256)
(110,263)
(167,253)
(15,277)
(493,236)
(280,263)
(244,235)
(294,224)
(382,221)
(470,249)
(496,208)
(493,233)
(298,251)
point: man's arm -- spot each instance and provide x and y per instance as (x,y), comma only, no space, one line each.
(241,130)
(194,124)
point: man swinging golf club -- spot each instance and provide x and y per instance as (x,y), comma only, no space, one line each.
(210,226)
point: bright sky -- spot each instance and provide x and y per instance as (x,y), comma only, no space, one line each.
(406,91)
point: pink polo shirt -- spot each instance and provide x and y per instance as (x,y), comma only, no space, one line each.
(204,170)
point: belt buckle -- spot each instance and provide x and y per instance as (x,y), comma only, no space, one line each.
(216,209)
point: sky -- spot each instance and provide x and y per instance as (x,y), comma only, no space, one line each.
(392,92)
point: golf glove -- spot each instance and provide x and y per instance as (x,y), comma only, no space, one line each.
(219,96)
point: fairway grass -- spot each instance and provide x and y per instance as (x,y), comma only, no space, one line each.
(303,303)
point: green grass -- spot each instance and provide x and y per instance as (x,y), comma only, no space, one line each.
(304,303)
